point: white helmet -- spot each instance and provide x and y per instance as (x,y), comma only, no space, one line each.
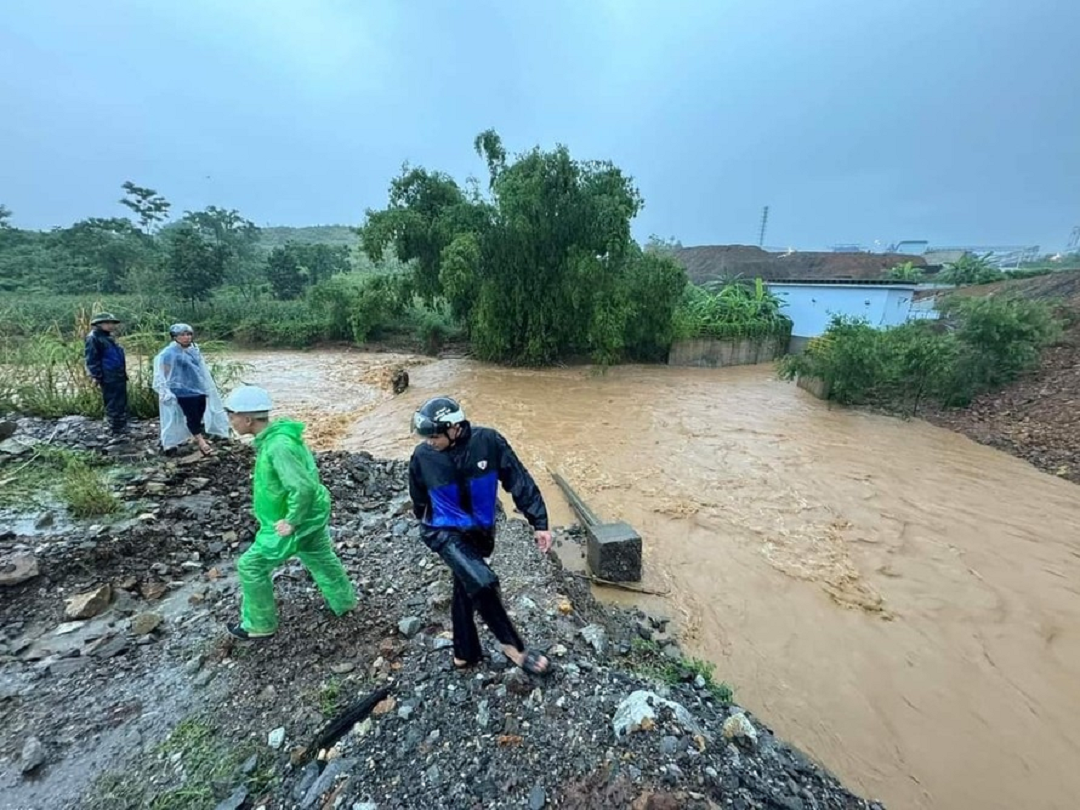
(248,399)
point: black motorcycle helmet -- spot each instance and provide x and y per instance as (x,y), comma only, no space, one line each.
(437,416)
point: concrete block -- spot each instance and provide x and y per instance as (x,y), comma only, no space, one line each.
(613,551)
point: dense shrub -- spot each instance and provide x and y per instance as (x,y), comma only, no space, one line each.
(731,310)
(980,344)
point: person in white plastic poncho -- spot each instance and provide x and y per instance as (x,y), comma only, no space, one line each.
(188,400)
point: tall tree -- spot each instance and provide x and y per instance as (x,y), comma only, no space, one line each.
(110,246)
(150,207)
(196,266)
(5,216)
(283,271)
(320,262)
(544,267)
(426,213)
(236,239)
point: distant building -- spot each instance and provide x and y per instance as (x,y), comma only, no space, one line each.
(811,305)
(817,285)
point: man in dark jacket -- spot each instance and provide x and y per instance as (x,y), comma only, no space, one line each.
(107,366)
(454,478)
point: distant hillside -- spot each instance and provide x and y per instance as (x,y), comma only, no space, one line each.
(277,236)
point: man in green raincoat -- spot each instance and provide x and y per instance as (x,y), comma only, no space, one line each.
(293,509)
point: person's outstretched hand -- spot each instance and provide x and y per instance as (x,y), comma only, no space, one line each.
(283,528)
(543,540)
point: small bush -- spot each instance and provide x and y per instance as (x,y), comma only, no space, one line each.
(85,491)
(432,326)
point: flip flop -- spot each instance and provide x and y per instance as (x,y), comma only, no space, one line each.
(531,664)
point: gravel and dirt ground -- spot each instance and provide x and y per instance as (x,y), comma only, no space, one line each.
(119,688)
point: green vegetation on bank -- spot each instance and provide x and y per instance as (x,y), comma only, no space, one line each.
(209,767)
(732,310)
(45,474)
(648,659)
(979,345)
(538,267)
(42,370)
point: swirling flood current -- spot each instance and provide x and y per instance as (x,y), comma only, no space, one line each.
(901,603)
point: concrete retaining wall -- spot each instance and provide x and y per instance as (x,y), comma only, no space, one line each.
(815,385)
(715,353)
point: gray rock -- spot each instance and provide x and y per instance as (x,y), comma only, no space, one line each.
(235,801)
(145,623)
(68,666)
(442,643)
(739,727)
(307,778)
(483,714)
(90,604)
(18,569)
(249,764)
(432,774)
(669,746)
(7,429)
(537,798)
(33,755)
(111,648)
(410,626)
(276,737)
(673,652)
(46,521)
(365,806)
(699,682)
(16,447)
(405,712)
(336,769)
(596,636)
(641,706)
(124,603)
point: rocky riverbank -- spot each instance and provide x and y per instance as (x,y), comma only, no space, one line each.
(119,689)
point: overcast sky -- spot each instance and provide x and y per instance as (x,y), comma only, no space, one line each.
(956,121)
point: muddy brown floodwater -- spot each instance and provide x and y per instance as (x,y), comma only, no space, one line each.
(900,602)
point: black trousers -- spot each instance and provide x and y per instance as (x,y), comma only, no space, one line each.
(476,589)
(114,393)
(193,408)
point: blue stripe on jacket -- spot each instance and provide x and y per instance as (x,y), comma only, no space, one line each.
(446,512)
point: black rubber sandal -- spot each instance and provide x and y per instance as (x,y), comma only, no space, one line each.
(531,664)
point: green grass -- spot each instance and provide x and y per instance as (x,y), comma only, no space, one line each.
(85,492)
(211,771)
(646,658)
(47,474)
(327,696)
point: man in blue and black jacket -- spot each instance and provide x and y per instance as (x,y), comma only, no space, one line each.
(454,478)
(107,366)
